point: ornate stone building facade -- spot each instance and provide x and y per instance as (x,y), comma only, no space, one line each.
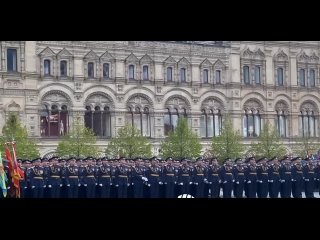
(152,84)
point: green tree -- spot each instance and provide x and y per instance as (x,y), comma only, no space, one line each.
(80,141)
(305,145)
(183,142)
(269,143)
(13,130)
(228,144)
(129,143)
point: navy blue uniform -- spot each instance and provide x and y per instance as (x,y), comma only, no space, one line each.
(37,181)
(138,178)
(153,175)
(274,181)
(227,181)
(170,179)
(297,181)
(309,180)
(122,177)
(90,181)
(213,176)
(285,178)
(263,181)
(239,181)
(54,180)
(72,178)
(185,178)
(23,183)
(317,173)
(251,181)
(104,180)
(200,175)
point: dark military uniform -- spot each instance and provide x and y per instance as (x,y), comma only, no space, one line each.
(185,178)
(309,178)
(251,178)
(138,177)
(297,178)
(23,182)
(122,177)
(239,178)
(274,178)
(263,178)
(170,178)
(153,175)
(317,172)
(227,179)
(37,181)
(54,179)
(200,178)
(89,179)
(285,178)
(213,176)
(104,178)
(72,178)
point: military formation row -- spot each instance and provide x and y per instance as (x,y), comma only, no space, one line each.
(138,178)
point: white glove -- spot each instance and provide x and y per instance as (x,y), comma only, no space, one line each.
(225,182)
(307,180)
(190,182)
(233,180)
(260,181)
(219,181)
(149,185)
(100,185)
(282,181)
(49,186)
(117,185)
(68,185)
(196,183)
(60,185)
(44,186)
(96,184)
(132,184)
(110,184)
(8,187)
(79,185)
(237,182)
(24,187)
(32,187)
(161,183)
(249,182)
(180,183)
(85,185)
(165,183)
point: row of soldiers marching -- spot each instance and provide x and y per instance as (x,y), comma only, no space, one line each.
(169,178)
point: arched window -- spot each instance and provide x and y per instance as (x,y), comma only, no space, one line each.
(145,70)
(280,76)
(63,68)
(99,121)
(183,75)
(312,78)
(90,70)
(211,122)
(302,77)
(46,67)
(251,124)
(106,71)
(169,74)
(171,120)
(308,124)
(218,76)
(205,76)
(246,75)
(281,123)
(131,72)
(140,119)
(257,74)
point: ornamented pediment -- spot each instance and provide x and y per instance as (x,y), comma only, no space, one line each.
(91,55)
(302,57)
(219,64)
(98,99)
(176,102)
(146,59)
(64,53)
(184,61)
(170,60)
(314,57)
(309,107)
(107,56)
(282,107)
(138,102)
(247,53)
(47,52)
(13,107)
(253,106)
(206,63)
(259,54)
(212,104)
(132,58)
(55,98)
(281,56)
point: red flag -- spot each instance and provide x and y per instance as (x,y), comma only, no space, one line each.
(13,171)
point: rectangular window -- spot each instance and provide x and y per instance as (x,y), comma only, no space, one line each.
(302,77)
(257,75)
(183,75)
(218,76)
(312,78)
(280,76)
(90,70)
(63,68)
(203,126)
(145,73)
(131,72)
(244,127)
(167,126)
(205,76)
(169,74)
(46,67)
(246,75)
(11,60)
(210,126)
(106,70)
